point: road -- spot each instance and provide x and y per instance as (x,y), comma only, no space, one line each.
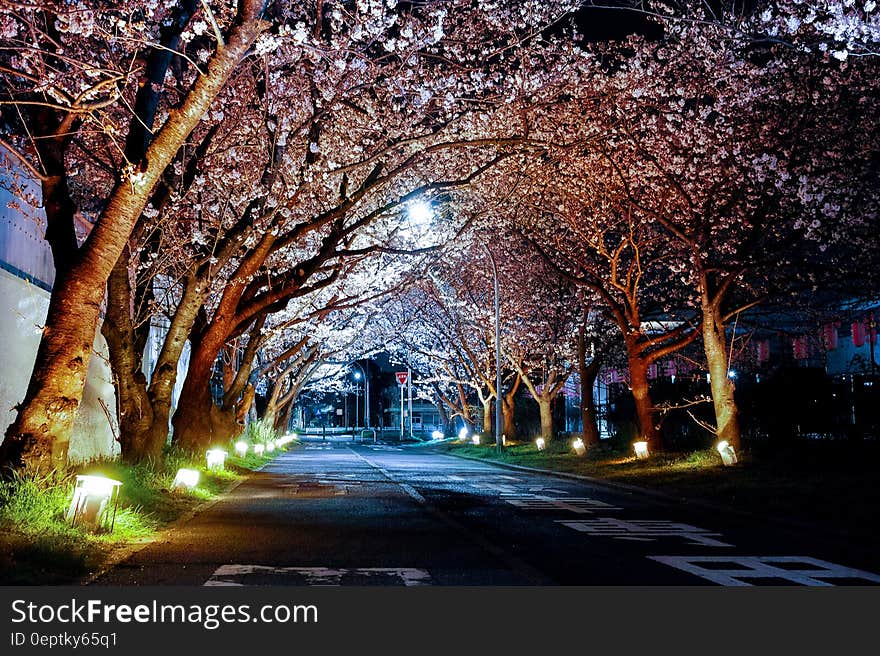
(336,513)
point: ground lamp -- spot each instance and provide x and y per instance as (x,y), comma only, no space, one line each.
(186,479)
(94,503)
(541,444)
(258,449)
(641,449)
(270,447)
(728,455)
(216,458)
(437,435)
(241,448)
(579,447)
(475,439)
(463,434)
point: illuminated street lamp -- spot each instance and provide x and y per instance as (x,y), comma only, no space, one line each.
(186,479)
(216,459)
(475,440)
(463,434)
(258,449)
(728,455)
(94,503)
(541,444)
(579,447)
(437,435)
(241,449)
(641,449)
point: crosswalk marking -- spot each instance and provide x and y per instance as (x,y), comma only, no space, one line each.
(786,569)
(646,530)
(242,575)
(578,505)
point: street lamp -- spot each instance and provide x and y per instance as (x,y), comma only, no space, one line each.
(357,376)
(357,405)
(499,442)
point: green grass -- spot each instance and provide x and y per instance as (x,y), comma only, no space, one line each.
(833,485)
(38,546)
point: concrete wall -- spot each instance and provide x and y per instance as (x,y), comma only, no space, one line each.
(23,309)
(26,275)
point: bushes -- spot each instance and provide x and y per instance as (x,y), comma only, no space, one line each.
(260,431)
(37,545)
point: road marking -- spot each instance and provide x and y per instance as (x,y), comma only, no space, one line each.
(644,530)
(501,488)
(546,490)
(535,576)
(579,505)
(795,569)
(238,575)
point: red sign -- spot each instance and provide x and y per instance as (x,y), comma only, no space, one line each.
(401,377)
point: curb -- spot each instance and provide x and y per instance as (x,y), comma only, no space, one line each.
(635,489)
(125,552)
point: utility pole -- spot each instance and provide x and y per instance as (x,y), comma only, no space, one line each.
(409,394)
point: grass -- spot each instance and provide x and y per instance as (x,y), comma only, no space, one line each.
(832,485)
(38,545)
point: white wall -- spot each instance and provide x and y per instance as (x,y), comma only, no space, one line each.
(23,308)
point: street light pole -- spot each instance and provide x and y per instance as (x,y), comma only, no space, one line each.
(499,443)
(366,393)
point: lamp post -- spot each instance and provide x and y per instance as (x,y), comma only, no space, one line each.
(357,376)
(499,442)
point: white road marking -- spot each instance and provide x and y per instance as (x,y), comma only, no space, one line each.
(546,490)
(644,530)
(501,488)
(579,505)
(231,575)
(513,562)
(811,572)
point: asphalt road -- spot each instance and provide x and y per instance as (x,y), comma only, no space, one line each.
(336,513)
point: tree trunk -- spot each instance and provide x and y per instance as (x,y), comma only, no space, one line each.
(715,346)
(638,371)
(589,415)
(487,416)
(508,406)
(587,374)
(40,434)
(193,425)
(441,410)
(244,405)
(545,408)
(134,409)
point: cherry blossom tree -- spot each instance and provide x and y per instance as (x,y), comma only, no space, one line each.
(79,81)
(70,71)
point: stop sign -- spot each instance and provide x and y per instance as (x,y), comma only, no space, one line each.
(401,377)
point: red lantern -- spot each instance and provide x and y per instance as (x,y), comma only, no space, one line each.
(829,335)
(800,348)
(858,333)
